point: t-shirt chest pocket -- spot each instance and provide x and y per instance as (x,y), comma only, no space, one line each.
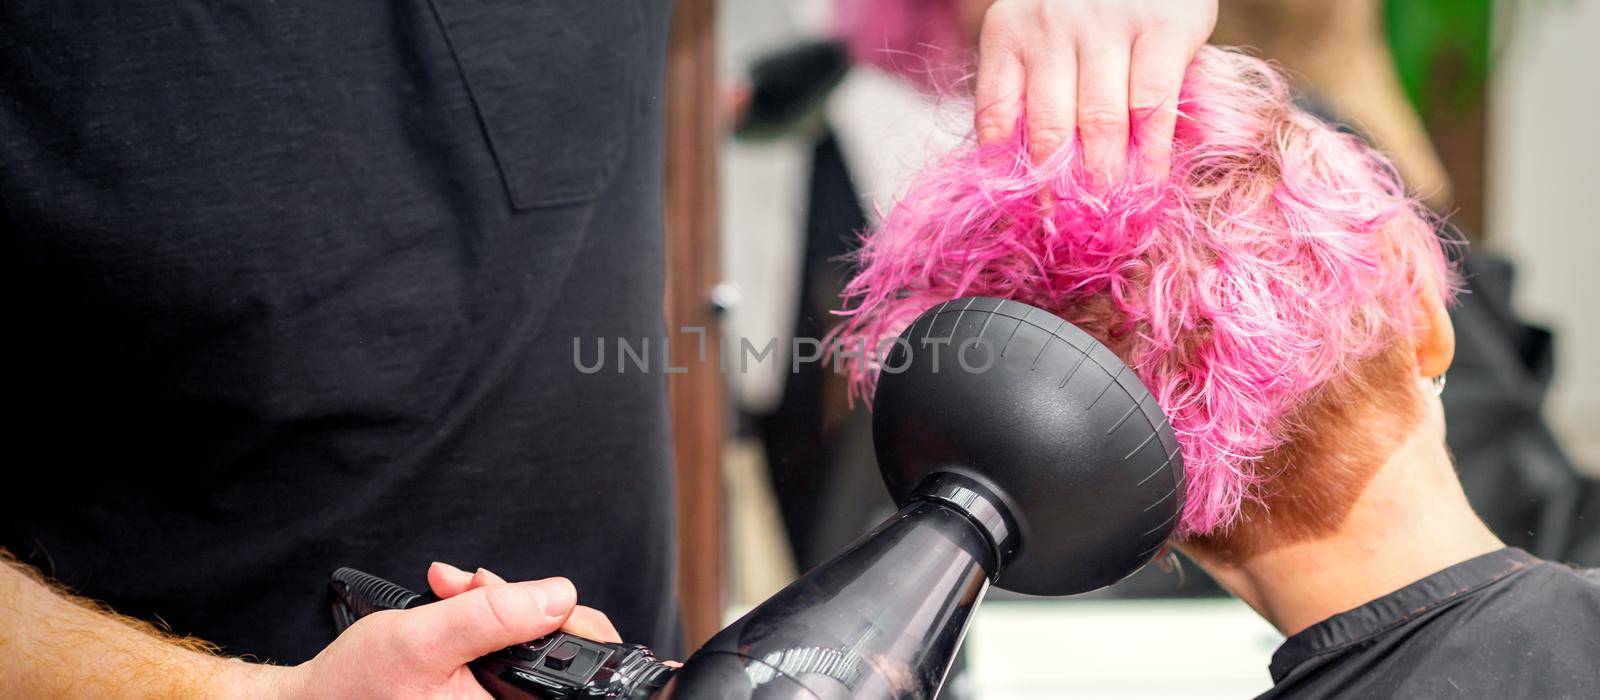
(553,85)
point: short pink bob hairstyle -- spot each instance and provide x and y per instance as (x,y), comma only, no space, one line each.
(1277,255)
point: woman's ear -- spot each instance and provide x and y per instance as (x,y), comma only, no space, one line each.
(1436,335)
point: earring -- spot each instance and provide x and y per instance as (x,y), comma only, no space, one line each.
(1438,385)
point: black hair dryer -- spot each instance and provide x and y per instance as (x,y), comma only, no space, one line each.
(1022,452)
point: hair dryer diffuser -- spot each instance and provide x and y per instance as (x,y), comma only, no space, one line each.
(1047,418)
(1021,450)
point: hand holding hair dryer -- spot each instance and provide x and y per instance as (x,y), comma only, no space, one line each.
(1023,453)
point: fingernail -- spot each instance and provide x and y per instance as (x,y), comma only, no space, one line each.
(449,571)
(555,595)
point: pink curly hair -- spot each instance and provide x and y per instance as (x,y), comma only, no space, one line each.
(1277,255)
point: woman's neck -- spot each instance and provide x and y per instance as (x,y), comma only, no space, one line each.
(1411,521)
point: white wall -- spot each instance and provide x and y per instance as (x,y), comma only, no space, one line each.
(1544,195)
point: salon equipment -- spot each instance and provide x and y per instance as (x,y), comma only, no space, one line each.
(1023,453)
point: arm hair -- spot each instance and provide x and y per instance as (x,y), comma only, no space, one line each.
(57,644)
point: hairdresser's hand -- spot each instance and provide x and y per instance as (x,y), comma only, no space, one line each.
(447,581)
(1081,66)
(423,652)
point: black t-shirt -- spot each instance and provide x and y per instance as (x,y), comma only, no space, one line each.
(295,285)
(1502,625)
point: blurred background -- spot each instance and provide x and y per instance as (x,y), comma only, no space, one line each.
(1489,109)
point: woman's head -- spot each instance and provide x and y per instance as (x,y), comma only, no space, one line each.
(1276,278)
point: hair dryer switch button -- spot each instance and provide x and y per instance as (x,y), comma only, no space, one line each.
(561,657)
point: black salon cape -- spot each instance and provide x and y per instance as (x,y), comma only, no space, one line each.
(295,284)
(1502,625)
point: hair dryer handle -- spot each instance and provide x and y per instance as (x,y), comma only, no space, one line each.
(555,666)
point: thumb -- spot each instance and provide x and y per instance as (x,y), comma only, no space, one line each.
(466,626)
